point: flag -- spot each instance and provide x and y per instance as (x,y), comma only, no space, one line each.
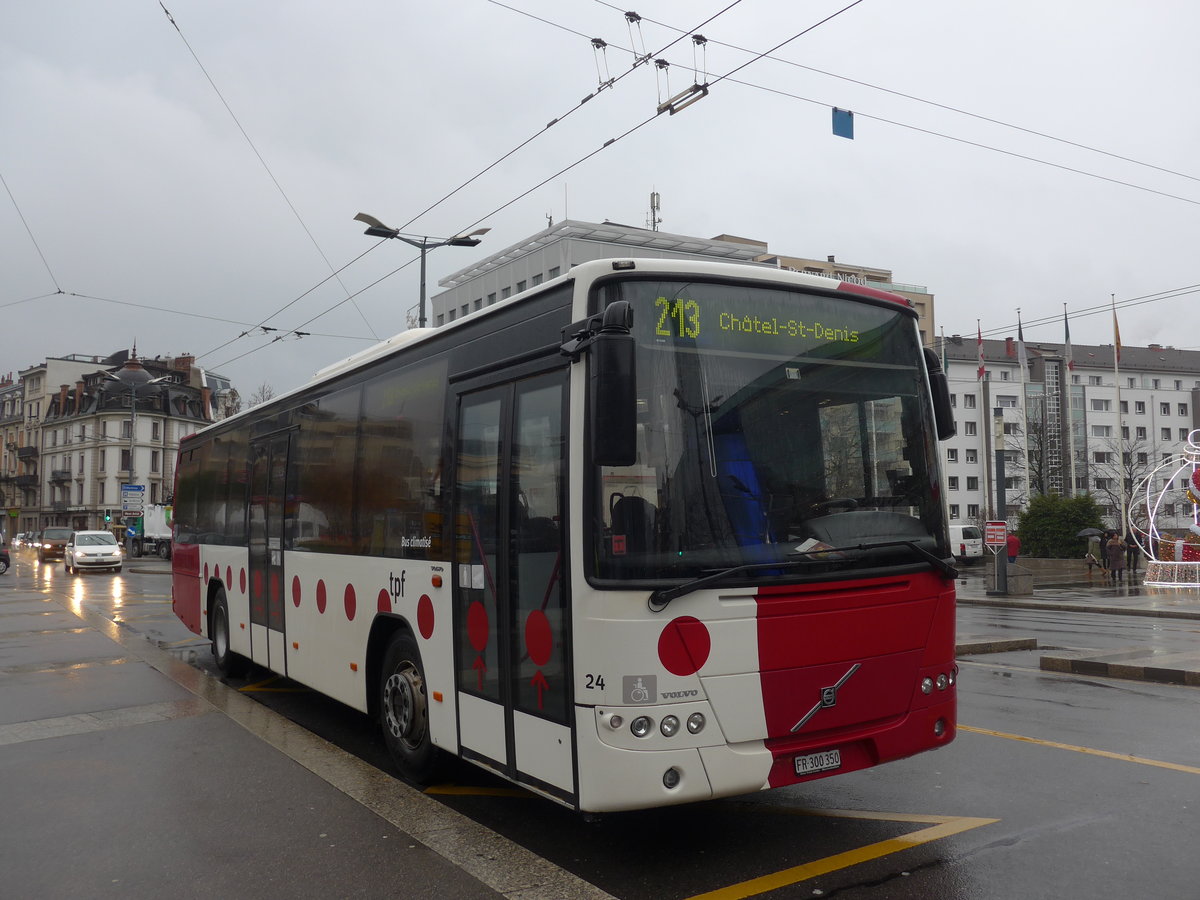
(1116,333)
(1022,358)
(843,123)
(1067,344)
(979,340)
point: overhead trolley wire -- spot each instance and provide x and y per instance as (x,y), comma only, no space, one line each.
(29,231)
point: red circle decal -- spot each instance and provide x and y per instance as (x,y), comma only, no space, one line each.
(258,585)
(229,577)
(242,580)
(349,602)
(477,626)
(206,571)
(384,601)
(295,590)
(684,645)
(539,638)
(321,596)
(425,616)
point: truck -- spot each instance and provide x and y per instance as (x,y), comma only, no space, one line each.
(153,532)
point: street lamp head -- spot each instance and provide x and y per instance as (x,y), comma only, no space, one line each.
(380,232)
(372,221)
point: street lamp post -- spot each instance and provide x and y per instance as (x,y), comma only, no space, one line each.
(375,228)
(133,376)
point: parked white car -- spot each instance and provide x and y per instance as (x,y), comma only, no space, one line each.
(92,550)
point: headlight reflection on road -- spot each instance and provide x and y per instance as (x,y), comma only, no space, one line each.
(76,597)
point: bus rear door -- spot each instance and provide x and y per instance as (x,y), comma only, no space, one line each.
(268,479)
(511,605)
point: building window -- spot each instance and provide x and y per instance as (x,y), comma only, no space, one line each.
(1101,405)
(1103,484)
(156,431)
(124,460)
(1183,409)
(80,463)
(1125,432)
(553,273)
(491,298)
(479,303)
(1168,510)
(100,454)
(451,315)
(1133,382)
(1166,434)
(1143,459)
(969,429)
(126,429)
(954,510)
(505,293)
(968,401)
(954,401)
(952,454)
(1155,384)
(1183,435)
(537,279)
(1094,380)
(972,482)
(1074,379)
(441,319)
(154,455)
(1164,409)
(972,510)
(1005,401)
(1178,385)
(466,308)
(1140,432)
(971,456)
(1012,427)
(1004,374)
(1139,407)
(1101,456)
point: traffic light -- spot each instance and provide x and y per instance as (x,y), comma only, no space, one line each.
(107,516)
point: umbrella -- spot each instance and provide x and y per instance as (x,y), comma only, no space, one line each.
(1090,532)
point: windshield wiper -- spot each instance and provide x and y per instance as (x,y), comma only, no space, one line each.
(659,599)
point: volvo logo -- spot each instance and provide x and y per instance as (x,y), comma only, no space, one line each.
(828,698)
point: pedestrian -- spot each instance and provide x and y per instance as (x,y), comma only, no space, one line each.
(1114,550)
(1133,554)
(1014,546)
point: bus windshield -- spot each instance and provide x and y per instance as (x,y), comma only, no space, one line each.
(774,425)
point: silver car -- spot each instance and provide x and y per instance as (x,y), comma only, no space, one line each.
(92,550)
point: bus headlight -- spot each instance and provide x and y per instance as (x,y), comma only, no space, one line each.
(926,685)
(695,723)
(641,726)
(669,726)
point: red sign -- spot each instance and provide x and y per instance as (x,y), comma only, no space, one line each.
(995,534)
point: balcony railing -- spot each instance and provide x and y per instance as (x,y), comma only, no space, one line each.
(27,452)
(27,481)
(60,474)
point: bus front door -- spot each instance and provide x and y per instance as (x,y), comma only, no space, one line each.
(511,609)
(268,476)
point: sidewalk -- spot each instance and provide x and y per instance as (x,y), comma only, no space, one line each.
(1095,595)
(125,772)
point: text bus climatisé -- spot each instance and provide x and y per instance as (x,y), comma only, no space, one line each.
(653,532)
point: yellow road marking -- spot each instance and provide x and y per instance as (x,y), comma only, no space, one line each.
(261,688)
(458,790)
(945,827)
(1108,754)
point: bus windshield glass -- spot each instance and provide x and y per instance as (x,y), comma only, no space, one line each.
(773,425)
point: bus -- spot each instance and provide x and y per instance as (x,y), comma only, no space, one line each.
(653,532)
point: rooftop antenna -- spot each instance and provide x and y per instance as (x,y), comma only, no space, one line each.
(654,220)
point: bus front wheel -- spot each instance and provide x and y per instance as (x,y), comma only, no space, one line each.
(404,711)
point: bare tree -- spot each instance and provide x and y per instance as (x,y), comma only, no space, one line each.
(1115,471)
(262,394)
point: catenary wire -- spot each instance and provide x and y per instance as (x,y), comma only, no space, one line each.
(933,103)
(29,231)
(263,161)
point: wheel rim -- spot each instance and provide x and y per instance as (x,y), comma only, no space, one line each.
(404,705)
(221,634)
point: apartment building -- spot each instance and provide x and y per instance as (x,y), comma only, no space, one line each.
(1097,428)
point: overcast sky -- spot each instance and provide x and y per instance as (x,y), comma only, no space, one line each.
(143,195)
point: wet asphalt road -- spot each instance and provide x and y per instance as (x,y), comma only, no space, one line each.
(1057,786)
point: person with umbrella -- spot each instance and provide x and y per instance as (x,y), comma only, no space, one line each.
(1114,552)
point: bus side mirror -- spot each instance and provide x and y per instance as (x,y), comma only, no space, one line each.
(612,388)
(939,385)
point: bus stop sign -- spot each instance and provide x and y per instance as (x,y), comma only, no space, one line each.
(995,535)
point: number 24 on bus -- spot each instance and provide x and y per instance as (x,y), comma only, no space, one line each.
(619,567)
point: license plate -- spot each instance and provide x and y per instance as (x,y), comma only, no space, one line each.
(824,761)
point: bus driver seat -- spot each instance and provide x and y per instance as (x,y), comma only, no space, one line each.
(633,519)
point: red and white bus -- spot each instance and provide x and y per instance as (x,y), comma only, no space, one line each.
(653,532)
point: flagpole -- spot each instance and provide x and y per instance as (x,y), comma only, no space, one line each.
(1120,436)
(986,416)
(1069,363)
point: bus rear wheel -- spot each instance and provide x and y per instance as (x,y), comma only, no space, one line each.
(231,664)
(404,712)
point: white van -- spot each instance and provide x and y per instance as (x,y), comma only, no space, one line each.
(966,542)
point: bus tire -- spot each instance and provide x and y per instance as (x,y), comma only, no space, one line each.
(404,712)
(232,665)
